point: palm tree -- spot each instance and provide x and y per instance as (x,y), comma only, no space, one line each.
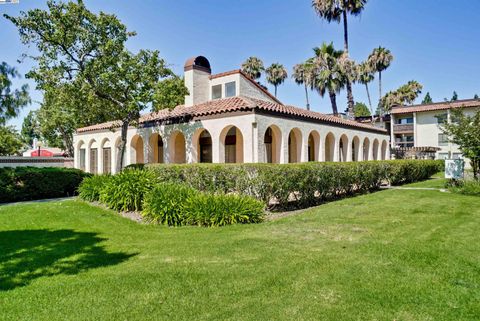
(276,75)
(253,67)
(302,74)
(404,95)
(379,60)
(365,76)
(327,73)
(338,10)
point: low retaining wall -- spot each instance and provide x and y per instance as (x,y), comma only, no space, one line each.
(17,161)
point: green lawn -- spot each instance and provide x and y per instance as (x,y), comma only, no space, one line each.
(390,255)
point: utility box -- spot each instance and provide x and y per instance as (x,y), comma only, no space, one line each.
(454,168)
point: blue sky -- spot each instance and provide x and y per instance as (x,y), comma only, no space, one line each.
(435,42)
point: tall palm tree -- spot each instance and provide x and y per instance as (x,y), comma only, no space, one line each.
(379,60)
(365,76)
(276,75)
(404,95)
(253,67)
(302,74)
(338,10)
(328,75)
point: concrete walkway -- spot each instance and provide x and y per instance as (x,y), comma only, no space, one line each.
(416,188)
(47,200)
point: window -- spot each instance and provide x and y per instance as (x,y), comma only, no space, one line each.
(442,140)
(405,120)
(217,92)
(230,89)
(82,159)
(457,156)
(442,118)
(442,155)
(107,160)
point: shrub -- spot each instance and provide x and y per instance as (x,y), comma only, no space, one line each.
(90,188)
(164,204)
(464,187)
(125,190)
(31,183)
(296,185)
(206,209)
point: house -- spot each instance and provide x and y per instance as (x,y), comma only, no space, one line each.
(229,118)
(416,129)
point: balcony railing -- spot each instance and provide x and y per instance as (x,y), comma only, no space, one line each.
(404,144)
(403,128)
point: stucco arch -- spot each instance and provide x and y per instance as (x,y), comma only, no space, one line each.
(202,146)
(313,146)
(156,151)
(272,140)
(375,147)
(384,150)
(231,145)
(343,148)
(295,146)
(366,149)
(177,147)
(136,150)
(356,152)
(329,147)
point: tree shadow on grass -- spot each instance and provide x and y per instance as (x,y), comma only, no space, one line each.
(26,255)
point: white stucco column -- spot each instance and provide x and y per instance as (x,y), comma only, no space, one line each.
(321,149)
(370,151)
(87,159)
(360,151)
(336,150)
(216,148)
(284,147)
(255,145)
(304,148)
(349,151)
(415,129)
(392,134)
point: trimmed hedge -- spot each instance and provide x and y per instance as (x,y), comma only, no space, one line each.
(31,183)
(91,187)
(296,185)
(176,204)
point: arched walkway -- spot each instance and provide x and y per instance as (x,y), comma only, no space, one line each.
(295,146)
(366,149)
(273,143)
(231,145)
(343,148)
(136,154)
(356,155)
(313,146)
(384,150)
(156,148)
(106,157)
(203,146)
(329,147)
(375,149)
(177,148)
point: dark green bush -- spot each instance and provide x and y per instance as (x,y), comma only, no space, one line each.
(296,185)
(206,209)
(31,183)
(164,204)
(90,188)
(125,190)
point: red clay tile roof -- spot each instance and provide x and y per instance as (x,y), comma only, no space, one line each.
(436,106)
(239,71)
(238,103)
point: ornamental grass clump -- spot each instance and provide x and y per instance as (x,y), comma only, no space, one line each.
(91,187)
(164,204)
(125,190)
(206,209)
(464,187)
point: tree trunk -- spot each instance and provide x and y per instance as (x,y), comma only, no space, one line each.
(68,143)
(333,100)
(380,92)
(369,100)
(351,102)
(275,91)
(123,144)
(306,96)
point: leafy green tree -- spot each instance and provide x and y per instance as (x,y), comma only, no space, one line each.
(465,132)
(253,67)
(475,97)
(361,110)
(10,141)
(379,60)
(11,100)
(276,75)
(303,75)
(328,75)
(454,96)
(338,11)
(404,95)
(427,99)
(87,51)
(169,93)
(30,128)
